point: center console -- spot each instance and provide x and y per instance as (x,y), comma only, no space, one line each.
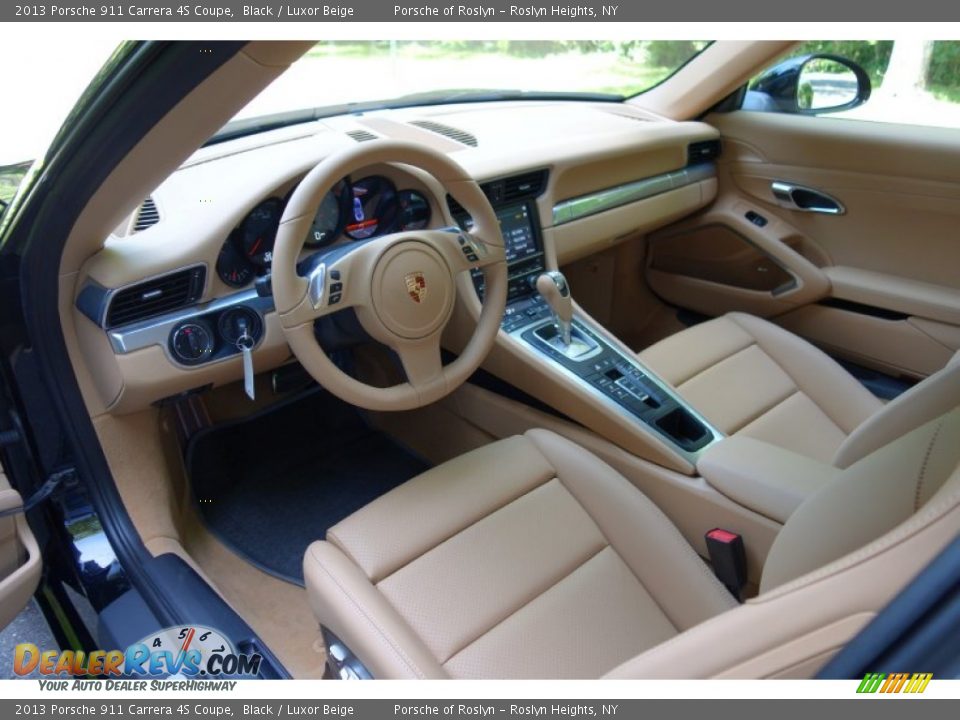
(611,375)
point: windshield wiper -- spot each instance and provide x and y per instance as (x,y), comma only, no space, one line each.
(252,126)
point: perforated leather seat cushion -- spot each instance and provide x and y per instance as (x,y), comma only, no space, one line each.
(526,558)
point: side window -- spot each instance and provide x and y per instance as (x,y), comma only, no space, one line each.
(916,82)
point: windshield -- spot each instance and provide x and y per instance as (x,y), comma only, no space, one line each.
(389,72)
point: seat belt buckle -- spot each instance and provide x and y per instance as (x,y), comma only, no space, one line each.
(729,559)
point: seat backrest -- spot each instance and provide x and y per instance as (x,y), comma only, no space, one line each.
(914,474)
(931,398)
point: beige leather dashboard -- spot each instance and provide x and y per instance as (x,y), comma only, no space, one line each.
(588,149)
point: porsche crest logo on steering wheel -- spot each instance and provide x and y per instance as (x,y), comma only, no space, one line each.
(416,286)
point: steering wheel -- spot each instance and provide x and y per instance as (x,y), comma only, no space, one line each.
(402,286)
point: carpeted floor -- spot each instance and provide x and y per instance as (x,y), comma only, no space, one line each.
(271,484)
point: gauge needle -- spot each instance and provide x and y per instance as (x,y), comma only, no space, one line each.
(186,646)
(253,250)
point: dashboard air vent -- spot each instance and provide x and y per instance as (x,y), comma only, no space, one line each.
(362,135)
(704,151)
(527,185)
(515,187)
(147,215)
(461,136)
(156,297)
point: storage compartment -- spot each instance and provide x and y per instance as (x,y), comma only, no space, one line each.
(683,429)
(719,254)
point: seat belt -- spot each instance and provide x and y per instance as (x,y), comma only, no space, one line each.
(729,560)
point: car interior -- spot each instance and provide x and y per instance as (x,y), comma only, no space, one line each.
(468,390)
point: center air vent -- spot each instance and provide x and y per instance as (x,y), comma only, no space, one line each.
(362,135)
(515,187)
(147,215)
(520,186)
(461,136)
(156,297)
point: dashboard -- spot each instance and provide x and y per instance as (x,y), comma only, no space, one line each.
(160,303)
(367,208)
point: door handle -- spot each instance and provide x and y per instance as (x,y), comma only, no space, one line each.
(798,197)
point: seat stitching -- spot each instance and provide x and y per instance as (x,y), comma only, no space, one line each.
(448,538)
(718,361)
(761,413)
(792,378)
(921,478)
(335,539)
(528,602)
(411,665)
(677,539)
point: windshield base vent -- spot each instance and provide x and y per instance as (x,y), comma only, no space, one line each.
(460,136)
(156,296)
(362,135)
(147,215)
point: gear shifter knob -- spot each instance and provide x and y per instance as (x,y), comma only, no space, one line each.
(555,290)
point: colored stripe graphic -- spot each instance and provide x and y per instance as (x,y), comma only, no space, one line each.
(892,683)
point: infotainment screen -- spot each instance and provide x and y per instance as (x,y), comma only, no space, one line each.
(524,253)
(517,228)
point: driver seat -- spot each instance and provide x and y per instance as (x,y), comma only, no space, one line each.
(532,558)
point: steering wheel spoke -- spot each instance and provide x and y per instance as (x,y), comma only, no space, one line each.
(421,361)
(333,282)
(465,251)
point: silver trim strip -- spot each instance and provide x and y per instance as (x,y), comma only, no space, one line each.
(315,285)
(156,331)
(580,207)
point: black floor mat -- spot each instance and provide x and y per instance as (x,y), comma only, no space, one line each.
(269,485)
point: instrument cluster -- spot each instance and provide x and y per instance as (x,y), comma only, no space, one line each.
(360,210)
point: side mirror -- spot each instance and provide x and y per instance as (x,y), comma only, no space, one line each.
(810,85)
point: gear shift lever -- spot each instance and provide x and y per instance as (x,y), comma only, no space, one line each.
(555,290)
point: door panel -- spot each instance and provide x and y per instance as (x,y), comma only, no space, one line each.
(719,261)
(886,290)
(19,557)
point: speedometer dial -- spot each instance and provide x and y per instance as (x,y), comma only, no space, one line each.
(374,209)
(331,216)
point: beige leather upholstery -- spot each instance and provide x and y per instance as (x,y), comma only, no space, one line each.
(750,377)
(763,477)
(935,395)
(897,481)
(839,559)
(531,558)
(525,558)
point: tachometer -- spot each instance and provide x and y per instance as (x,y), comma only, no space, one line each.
(374,209)
(258,231)
(232,267)
(249,249)
(414,210)
(331,216)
